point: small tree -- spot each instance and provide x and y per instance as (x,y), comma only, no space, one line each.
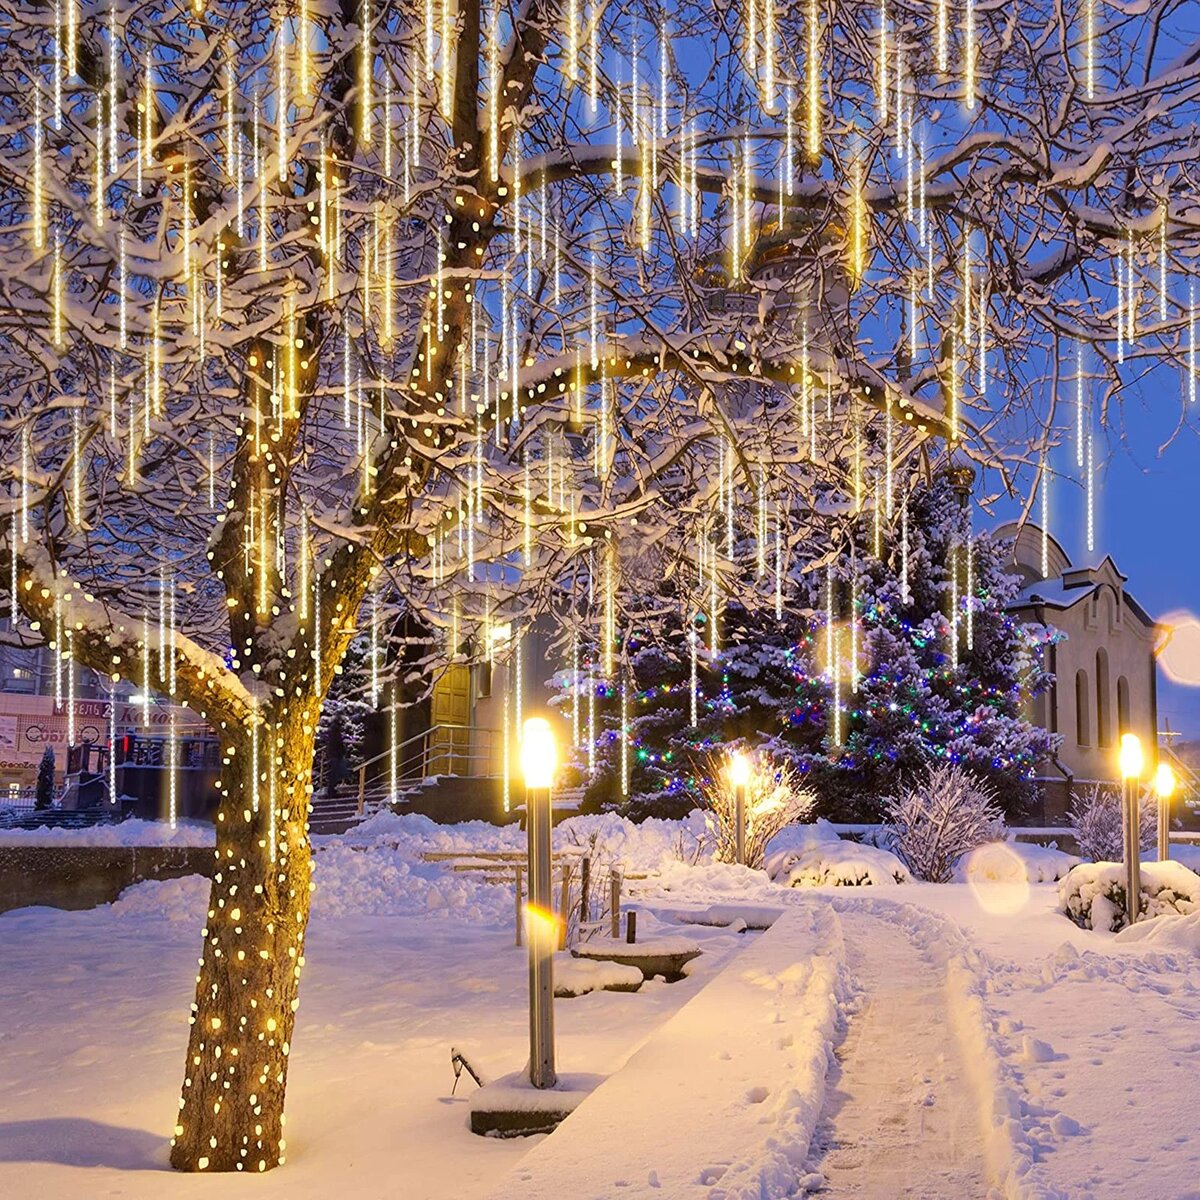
(940,819)
(44,796)
(1096,818)
(773,801)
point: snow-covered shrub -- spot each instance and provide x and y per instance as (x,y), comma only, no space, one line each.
(936,822)
(1095,816)
(835,863)
(1014,862)
(1093,894)
(774,800)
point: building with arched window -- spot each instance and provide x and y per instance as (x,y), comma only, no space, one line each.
(1103,663)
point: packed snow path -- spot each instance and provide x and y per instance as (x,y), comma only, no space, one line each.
(900,1116)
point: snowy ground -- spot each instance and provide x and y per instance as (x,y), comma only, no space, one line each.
(976,1042)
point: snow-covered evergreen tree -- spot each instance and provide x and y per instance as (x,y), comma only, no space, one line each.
(920,664)
(44,792)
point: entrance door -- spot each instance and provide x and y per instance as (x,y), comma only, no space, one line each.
(450,719)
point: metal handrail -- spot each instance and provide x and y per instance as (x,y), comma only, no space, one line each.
(1186,773)
(429,751)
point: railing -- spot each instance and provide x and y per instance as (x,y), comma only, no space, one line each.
(189,753)
(1189,780)
(25,798)
(461,750)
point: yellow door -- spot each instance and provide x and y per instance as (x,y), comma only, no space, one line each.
(450,718)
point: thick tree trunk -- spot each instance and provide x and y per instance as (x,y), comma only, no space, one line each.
(231,1111)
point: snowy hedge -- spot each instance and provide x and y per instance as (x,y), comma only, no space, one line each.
(1093,894)
(812,855)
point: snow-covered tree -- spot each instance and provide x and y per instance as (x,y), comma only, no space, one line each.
(44,791)
(890,657)
(314,313)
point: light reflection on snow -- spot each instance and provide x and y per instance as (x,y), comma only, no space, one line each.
(998,879)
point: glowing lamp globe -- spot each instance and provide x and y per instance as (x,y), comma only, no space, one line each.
(1131,758)
(539,755)
(739,769)
(1164,781)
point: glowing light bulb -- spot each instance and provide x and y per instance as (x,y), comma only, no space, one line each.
(366,72)
(38,191)
(1089,42)
(969,52)
(813,80)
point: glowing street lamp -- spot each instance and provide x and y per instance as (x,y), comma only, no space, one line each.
(739,776)
(539,757)
(1164,787)
(1132,762)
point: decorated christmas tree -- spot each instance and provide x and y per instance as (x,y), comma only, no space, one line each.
(896,652)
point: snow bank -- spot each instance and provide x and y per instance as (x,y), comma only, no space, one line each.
(1093,894)
(814,855)
(803,837)
(644,847)
(383,881)
(380,881)
(1176,934)
(725,881)
(133,832)
(183,899)
(1014,862)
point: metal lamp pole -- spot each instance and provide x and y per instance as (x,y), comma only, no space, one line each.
(538,761)
(1164,786)
(1131,762)
(739,776)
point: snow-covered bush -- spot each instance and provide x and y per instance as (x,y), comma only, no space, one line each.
(1095,816)
(1014,862)
(940,819)
(835,863)
(1093,894)
(774,800)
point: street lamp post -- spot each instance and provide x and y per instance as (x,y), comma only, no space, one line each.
(1132,762)
(739,776)
(538,761)
(1164,786)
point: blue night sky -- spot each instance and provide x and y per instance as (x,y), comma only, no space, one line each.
(1147,512)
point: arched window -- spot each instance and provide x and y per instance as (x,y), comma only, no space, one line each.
(1083,733)
(1103,705)
(1122,705)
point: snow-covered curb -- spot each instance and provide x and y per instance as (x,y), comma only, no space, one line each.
(749,1091)
(133,832)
